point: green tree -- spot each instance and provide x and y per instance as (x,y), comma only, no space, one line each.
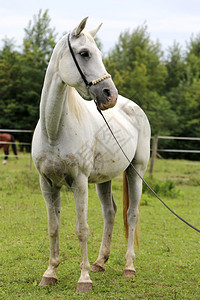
(193,58)
(182,88)
(22,75)
(38,44)
(137,67)
(176,67)
(40,37)
(10,84)
(135,64)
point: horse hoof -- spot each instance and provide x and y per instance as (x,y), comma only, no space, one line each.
(47,281)
(97,268)
(83,287)
(128,273)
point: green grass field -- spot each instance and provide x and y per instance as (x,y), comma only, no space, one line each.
(167,262)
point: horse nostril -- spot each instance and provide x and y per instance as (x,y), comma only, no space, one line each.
(107,92)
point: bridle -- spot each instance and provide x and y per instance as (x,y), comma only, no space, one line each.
(93,82)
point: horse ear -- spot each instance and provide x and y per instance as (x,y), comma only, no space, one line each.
(93,32)
(80,27)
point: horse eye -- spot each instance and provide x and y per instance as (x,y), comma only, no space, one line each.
(84,54)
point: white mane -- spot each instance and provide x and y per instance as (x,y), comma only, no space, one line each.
(75,102)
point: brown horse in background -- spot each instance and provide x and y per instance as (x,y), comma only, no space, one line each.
(5,140)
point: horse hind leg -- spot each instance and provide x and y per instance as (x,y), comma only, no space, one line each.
(6,152)
(135,192)
(109,208)
(14,148)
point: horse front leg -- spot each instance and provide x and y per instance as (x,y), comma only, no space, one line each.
(80,190)
(109,208)
(52,198)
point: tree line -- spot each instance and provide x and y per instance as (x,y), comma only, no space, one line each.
(166,85)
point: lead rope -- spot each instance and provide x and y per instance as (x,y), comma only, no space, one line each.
(142,177)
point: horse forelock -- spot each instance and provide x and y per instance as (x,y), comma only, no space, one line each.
(84,37)
(89,37)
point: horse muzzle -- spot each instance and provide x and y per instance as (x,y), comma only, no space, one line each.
(109,101)
(105,94)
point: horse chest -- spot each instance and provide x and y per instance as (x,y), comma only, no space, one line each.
(61,164)
(56,168)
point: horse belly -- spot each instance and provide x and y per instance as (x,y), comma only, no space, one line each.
(110,161)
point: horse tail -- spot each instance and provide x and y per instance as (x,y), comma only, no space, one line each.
(14,148)
(125,203)
(125,209)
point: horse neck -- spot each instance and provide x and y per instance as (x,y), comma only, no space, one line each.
(58,102)
(52,101)
(53,104)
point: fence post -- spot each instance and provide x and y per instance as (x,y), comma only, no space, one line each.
(154,152)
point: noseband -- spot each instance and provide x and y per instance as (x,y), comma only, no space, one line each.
(93,82)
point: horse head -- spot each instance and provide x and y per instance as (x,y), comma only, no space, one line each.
(81,66)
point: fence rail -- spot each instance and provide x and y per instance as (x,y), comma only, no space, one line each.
(177,150)
(155,149)
(15,130)
(18,143)
(178,138)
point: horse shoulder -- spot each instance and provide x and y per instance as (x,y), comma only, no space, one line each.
(134,113)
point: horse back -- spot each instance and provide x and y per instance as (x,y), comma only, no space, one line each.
(6,139)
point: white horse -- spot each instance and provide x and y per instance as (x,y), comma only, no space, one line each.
(73,146)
